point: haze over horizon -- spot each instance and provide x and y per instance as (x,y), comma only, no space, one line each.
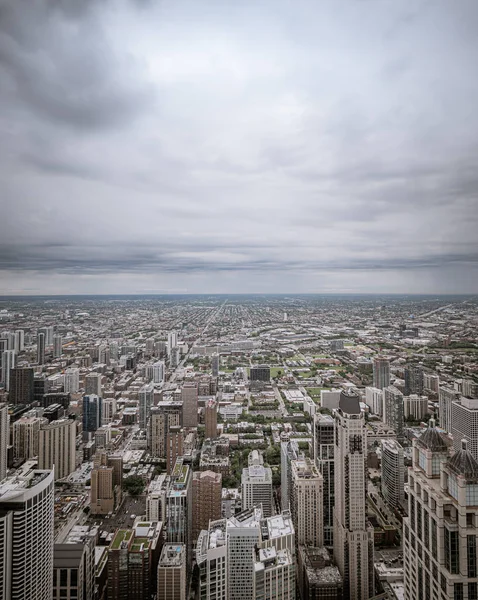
(220,147)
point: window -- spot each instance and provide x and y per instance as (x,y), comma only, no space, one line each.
(63,577)
(452,551)
(472,591)
(471,555)
(458,591)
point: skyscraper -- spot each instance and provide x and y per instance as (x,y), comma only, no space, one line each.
(41,349)
(353,536)
(210,418)
(164,415)
(393,473)
(93,384)
(102,491)
(206,496)
(57,346)
(414,380)
(92,413)
(446,396)
(324,456)
(381,372)
(21,385)
(172,341)
(274,574)
(464,419)
(8,363)
(256,485)
(158,372)
(215,365)
(19,341)
(172,573)
(26,535)
(71,380)
(189,396)
(57,447)
(146,401)
(393,409)
(174,447)
(26,437)
(4,439)
(306,504)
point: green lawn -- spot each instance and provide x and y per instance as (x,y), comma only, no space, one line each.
(275,371)
(314,392)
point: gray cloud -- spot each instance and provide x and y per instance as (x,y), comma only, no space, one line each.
(232,147)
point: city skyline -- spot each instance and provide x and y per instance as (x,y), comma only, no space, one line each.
(223,147)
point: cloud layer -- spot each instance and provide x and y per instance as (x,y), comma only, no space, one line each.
(238,147)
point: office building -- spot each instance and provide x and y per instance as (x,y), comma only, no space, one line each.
(174,447)
(102,491)
(172,341)
(156,498)
(57,447)
(393,473)
(415,407)
(441,530)
(381,372)
(19,344)
(353,536)
(464,424)
(48,333)
(164,415)
(274,574)
(146,401)
(289,451)
(210,419)
(26,437)
(57,346)
(71,380)
(158,372)
(306,504)
(92,413)
(324,457)
(93,384)
(8,363)
(189,397)
(41,349)
(4,439)
(260,373)
(446,396)
(215,362)
(374,400)
(207,500)
(178,507)
(26,535)
(414,380)
(256,485)
(172,572)
(21,385)
(393,409)
(74,569)
(317,577)
(108,410)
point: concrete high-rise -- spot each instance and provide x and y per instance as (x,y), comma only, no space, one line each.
(289,451)
(274,574)
(26,535)
(179,505)
(464,420)
(446,396)
(21,385)
(4,439)
(381,372)
(158,372)
(206,496)
(164,415)
(108,410)
(172,572)
(41,349)
(306,504)
(71,380)
(189,397)
(93,384)
(353,536)
(374,400)
(324,457)
(19,341)
(172,341)
(215,365)
(414,380)
(102,491)
(8,363)
(415,407)
(393,473)
(57,346)
(393,409)
(57,447)
(174,447)
(146,401)
(256,485)
(210,419)
(26,437)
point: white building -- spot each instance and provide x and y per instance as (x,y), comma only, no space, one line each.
(19,341)
(57,447)
(26,535)
(57,346)
(307,503)
(158,372)
(353,536)
(8,362)
(274,574)
(256,487)
(464,423)
(393,472)
(374,400)
(146,401)
(446,396)
(71,380)
(108,410)
(415,407)
(93,384)
(381,372)
(4,439)
(324,456)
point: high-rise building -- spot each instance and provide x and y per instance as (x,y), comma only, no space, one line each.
(441,530)
(381,372)
(172,572)
(178,506)
(256,485)
(215,362)
(156,498)
(374,400)
(158,372)
(19,341)
(21,385)
(172,341)
(102,491)
(8,363)
(74,570)
(415,407)
(26,437)
(92,413)
(164,415)
(353,536)
(174,447)
(317,576)
(307,503)
(393,473)
(324,456)
(41,349)
(93,384)
(4,439)
(207,499)
(146,401)
(446,396)
(289,451)
(57,447)
(414,380)
(26,535)
(464,424)
(71,380)
(189,397)
(260,373)
(57,346)
(393,409)
(210,418)
(274,574)
(108,410)
(48,333)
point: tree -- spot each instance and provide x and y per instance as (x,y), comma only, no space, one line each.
(134,485)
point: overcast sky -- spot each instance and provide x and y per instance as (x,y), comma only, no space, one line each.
(238,146)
